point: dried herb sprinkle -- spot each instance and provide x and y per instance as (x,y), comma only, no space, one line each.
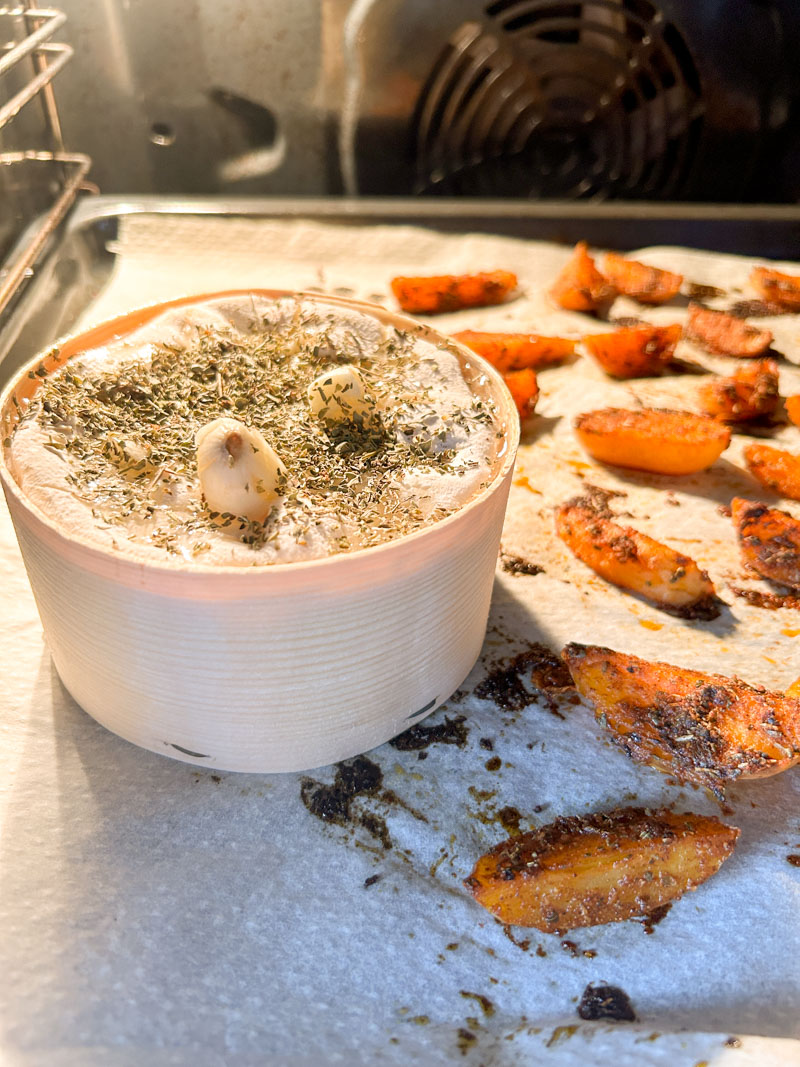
(127,433)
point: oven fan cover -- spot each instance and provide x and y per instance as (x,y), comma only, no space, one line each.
(541,98)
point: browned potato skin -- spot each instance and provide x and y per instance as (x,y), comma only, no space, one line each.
(749,393)
(601,868)
(724,333)
(775,468)
(652,439)
(702,728)
(769,540)
(634,561)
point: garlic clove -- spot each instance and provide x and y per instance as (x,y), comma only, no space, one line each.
(240,474)
(340,395)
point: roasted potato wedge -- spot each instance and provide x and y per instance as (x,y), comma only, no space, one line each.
(516,351)
(648,285)
(777,288)
(703,728)
(524,388)
(634,351)
(601,868)
(751,392)
(634,561)
(727,334)
(793,408)
(775,468)
(580,286)
(769,540)
(452,292)
(652,439)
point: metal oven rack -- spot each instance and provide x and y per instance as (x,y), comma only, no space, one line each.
(37,186)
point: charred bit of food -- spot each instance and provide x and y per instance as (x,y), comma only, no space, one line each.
(652,439)
(600,868)
(751,392)
(777,288)
(648,285)
(634,561)
(452,292)
(747,309)
(725,333)
(634,351)
(524,388)
(516,351)
(769,601)
(518,565)
(775,469)
(769,540)
(701,728)
(580,286)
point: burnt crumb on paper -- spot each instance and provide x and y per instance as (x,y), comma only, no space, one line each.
(450,732)
(626,320)
(517,565)
(793,859)
(465,1039)
(510,818)
(606,1002)
(771,601)
(373,878)
(561,1033)
(548,670)
(359,777)
(487,743)
(744,309)
(486,1005)
(494,763)
(524,943)
(355,778)
(576,952)
(698,291)
(545,671)
(653,918)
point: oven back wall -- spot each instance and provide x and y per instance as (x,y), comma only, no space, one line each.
(201,96)
(531,99)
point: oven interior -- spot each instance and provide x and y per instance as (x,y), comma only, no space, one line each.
(623,122)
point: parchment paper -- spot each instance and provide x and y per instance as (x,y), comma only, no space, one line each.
(155,912)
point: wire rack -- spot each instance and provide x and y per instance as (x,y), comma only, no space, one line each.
(37,186)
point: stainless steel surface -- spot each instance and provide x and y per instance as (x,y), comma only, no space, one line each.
(48,100)
(169,76)
(38,183)
(50,22)
(56,56)
(77,267)
(644,98)
(75,167)
(664,99)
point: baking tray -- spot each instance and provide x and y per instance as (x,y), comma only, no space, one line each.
(168,914)
(74,270)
